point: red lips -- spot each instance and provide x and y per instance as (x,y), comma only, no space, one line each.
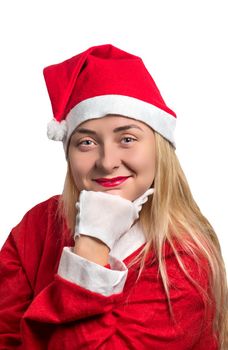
(113,179)
(111,182)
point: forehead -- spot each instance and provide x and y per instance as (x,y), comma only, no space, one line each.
(112,121)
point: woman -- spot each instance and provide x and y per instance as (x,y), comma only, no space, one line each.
(123,259)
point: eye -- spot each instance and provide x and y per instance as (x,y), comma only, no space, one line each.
(85,143)
(128,139)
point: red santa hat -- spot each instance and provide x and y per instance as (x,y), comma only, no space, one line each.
(104,80)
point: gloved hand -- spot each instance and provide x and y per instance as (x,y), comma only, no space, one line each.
(105,216)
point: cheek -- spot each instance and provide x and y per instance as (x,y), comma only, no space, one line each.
(150,161)
(79,168)
(143,161)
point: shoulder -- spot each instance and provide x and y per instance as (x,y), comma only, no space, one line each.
(183,268)
(36,242)
(39,223)
(40,212)
(187,267)
(46,207)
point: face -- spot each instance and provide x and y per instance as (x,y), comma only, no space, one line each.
(113,154)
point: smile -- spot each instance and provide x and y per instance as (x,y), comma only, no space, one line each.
(112,182)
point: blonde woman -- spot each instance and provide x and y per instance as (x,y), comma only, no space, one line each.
(123,259)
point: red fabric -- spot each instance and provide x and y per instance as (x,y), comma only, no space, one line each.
(100,70)
(41,310)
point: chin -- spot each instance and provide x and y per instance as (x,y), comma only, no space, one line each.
(119,192)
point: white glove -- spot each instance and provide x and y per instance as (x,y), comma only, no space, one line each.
(105,216)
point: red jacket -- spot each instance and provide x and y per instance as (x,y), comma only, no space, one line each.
(41,310)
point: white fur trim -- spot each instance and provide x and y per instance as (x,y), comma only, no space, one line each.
(99,106)
(91,276)
(57,131)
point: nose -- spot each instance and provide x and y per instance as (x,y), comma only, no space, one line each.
(108,158)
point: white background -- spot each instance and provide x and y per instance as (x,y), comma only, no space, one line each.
(184,46)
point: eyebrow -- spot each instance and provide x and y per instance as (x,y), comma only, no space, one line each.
(120,128)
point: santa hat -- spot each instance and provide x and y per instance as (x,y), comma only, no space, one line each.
(104,80)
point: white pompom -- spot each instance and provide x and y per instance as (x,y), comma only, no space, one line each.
(57,130)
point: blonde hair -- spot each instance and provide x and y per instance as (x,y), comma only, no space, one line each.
(171,213)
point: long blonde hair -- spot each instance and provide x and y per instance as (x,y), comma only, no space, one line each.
(171,212)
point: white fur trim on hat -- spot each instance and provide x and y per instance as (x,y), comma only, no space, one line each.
(57,131)
(99,106)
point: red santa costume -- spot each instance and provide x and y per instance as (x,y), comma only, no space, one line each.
(52,298)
